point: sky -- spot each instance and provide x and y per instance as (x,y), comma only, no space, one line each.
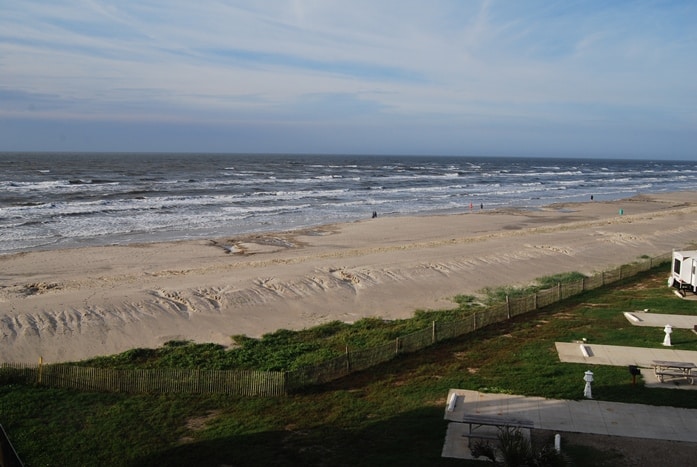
(441,77)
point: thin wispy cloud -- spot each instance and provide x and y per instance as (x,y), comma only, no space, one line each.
(400,76)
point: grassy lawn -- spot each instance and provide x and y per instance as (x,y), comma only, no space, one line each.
(391,414)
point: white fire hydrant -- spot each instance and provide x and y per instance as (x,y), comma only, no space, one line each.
(588,378)
(668,330)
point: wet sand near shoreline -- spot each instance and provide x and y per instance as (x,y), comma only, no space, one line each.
(66,305)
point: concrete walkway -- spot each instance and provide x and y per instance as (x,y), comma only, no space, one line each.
(583,416)
(615,355)
(659,320)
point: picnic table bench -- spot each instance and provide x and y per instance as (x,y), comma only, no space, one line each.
(667,369)
(477,421)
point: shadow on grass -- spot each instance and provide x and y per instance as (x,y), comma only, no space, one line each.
(411,438)
(414,437)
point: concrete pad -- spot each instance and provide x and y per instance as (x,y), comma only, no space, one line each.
(463,402)
(659,320)
(688,296)
(642,357)
(455,445)
(651,381)
(616,355)
(582,416)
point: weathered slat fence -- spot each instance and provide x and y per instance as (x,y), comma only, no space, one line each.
(153,380)
(276,383)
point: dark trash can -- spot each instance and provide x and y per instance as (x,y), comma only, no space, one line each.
(634,371)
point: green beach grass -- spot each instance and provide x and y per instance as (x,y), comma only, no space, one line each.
(390,414)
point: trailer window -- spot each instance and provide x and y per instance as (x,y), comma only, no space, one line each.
(676,266)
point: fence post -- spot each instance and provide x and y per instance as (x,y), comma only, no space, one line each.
(41,364)
(508,307)
(433,333)
(396,346)
(474,318)
(535,301)
(559,291)
(348,360)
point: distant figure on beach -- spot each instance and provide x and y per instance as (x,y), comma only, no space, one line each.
(591,197)
(375,214)
(481,206)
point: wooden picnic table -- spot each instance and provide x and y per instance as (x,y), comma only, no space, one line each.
(476,421)
(664,368)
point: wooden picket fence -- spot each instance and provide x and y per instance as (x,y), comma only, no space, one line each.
(276,383)
(152,380)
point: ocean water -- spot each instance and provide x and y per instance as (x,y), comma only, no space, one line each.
(50,200)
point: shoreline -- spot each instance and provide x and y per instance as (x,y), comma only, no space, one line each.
(72,304)
(145,238)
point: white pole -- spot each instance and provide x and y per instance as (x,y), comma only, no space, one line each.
(588,378)
(668,330)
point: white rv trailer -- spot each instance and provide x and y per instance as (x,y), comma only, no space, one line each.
(684,273)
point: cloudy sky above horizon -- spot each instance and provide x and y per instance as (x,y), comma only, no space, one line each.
(458,77)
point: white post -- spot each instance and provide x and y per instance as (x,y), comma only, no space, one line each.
(557,442)
(452,402)
(588,378)
(668,330)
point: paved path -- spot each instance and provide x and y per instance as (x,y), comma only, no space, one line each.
(616,355)
(583,416)
(642,318)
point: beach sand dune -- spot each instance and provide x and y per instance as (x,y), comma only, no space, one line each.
(66,305)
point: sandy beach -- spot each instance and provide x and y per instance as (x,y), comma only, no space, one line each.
(67,305)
